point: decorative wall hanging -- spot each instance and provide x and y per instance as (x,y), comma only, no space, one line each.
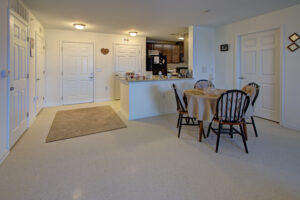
(294,37)
(293,47)
(104,51)
(224,47)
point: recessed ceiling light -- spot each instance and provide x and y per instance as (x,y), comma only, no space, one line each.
(79,26)
(132,34)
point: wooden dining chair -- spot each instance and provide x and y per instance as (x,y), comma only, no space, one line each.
(183,113)
(231,108)
(203,83)
(257,89)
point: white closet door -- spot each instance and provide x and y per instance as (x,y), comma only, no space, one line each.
(78,72)
(18,79)
(260,64)
(40,73)
(127,58)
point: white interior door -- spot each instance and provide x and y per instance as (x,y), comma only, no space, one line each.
(260,64)
(128,58)
(18,79)
(40,73)
(78,72)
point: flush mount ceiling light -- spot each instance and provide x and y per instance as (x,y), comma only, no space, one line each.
(180,38)
(132,34)
(79,26)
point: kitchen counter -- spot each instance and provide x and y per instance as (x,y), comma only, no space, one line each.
(154,79)
(147,98)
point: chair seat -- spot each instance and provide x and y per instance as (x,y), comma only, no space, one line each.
(183,112)
(227,123)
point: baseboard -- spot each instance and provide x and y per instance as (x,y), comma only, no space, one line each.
(52,105)
(134,117)
(124,114)
(103,100)
(287,125)
(32,120)
(2,157)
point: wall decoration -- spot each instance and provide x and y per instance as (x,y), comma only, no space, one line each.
(294,37)
(104,51)
(224,47)
(293,47)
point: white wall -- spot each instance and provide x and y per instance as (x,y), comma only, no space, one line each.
(3,80)
(34,27)
(104,82)
(202,51)
(288,21)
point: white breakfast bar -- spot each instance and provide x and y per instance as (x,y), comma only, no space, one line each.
(147,98)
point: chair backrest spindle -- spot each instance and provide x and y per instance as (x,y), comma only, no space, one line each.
(233,104)
(203,83)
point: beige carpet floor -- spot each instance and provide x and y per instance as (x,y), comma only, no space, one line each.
(83,121)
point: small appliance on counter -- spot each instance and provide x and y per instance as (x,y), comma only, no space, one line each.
(156,63)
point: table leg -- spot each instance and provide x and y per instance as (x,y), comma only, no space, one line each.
(200,130)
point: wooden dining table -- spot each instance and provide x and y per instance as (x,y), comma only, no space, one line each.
(201,104)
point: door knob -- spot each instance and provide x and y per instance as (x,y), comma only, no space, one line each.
(91,77)
(12,89)
(242,77)
(38,79)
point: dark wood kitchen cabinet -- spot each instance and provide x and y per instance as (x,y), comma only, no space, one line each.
(172,51)
(175,54)
(158,47)
(167,51)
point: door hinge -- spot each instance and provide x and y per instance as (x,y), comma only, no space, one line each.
(28,38)
(43,98)
(62,73)
(62,98)
(27,114)
(27,75)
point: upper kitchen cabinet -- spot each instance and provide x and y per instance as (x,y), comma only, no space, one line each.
(167,51)
(158,47)
(173,50)
(175,53)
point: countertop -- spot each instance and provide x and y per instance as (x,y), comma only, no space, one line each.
(154,79)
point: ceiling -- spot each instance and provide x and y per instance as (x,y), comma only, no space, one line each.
(156,19)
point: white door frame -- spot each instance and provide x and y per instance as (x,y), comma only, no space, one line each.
(61,43)
(35,61)
(237,65)
(14,14)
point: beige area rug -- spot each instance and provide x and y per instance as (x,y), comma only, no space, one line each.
(83,121)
